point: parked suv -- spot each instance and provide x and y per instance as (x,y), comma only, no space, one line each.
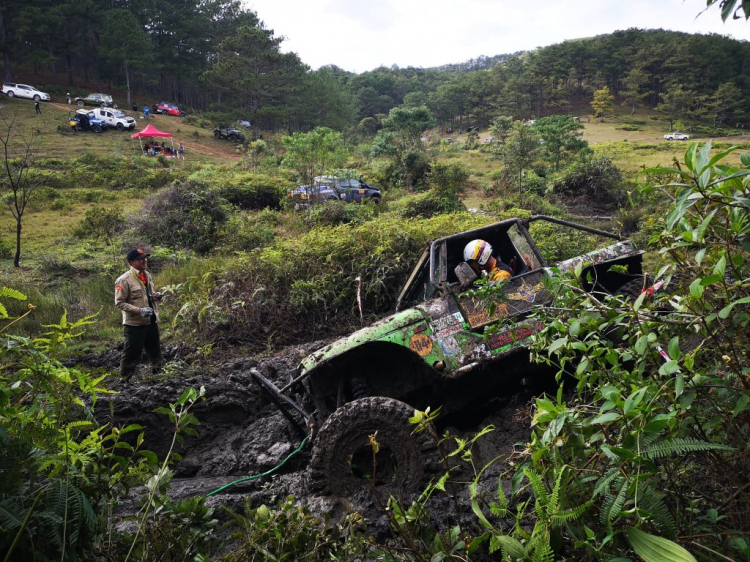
(676,136)
(115,118)
(102,100)
(88,121)
(230,133)
(433,352)
(13,90)
(168,109)
(326,188)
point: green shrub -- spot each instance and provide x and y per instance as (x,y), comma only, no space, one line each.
(184,216)
(246,190)
(331,213)
(248,231)
(595,182)
(101,222)
(311,278)
(430,204)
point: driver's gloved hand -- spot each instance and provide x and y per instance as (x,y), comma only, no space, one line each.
(147,311)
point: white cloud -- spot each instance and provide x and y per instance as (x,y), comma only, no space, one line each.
(360,35)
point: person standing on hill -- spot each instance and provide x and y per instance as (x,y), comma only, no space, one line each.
(146,111)
(136,298)
(36,107)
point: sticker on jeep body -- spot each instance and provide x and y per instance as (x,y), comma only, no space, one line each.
(446,326)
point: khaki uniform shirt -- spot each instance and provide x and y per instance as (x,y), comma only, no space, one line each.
(130,297)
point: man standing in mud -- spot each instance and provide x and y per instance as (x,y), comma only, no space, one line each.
(135,297)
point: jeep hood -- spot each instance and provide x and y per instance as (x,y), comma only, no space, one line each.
(371,333)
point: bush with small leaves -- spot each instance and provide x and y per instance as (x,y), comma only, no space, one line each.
(185,216)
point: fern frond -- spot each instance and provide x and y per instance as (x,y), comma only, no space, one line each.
(652,502)
(12,294)
(537,486)
(604,481)
(541,551)
(11,515)
(554,497)
(681,446)
(569,515)
(613,503)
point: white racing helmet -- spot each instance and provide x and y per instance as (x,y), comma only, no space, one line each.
(479,251)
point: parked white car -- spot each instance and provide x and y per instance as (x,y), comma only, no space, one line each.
(13,90)
(115,118)
(676,136)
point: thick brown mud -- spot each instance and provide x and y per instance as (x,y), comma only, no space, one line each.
(241,434)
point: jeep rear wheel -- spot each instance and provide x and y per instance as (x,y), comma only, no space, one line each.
(11,94)
(80,102)
(343,461)
(217,134)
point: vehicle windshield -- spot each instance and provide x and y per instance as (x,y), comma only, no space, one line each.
(120,114)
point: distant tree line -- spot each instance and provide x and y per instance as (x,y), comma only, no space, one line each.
(216,55)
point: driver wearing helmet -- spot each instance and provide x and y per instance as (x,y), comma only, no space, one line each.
(478,254)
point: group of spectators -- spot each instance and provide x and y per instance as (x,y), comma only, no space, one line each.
(168,151)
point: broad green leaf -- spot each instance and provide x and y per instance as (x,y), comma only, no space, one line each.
(699,255)
(669,368)
(711,279)
(741,405)
(641,344)
(720,266)
(557,344)
(611,393)
(745,159)
(657,549)
(604,418)
(674,348)
(633,400)
(722,155)
(679,384)
(696,289)
(701,160)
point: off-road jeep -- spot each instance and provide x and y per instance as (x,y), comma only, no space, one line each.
(230,133)
(431,352)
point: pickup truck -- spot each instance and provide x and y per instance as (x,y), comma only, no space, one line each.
(115,118)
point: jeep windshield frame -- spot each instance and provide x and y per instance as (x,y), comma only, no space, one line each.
(446,253)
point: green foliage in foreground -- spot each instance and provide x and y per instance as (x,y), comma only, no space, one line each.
(654,441)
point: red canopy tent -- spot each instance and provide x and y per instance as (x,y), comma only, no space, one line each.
(151,132)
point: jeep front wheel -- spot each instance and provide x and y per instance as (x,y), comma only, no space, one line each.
(343,461)
(80,102)
(120,127)
(217,134)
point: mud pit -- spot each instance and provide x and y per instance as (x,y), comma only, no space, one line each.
(241,433)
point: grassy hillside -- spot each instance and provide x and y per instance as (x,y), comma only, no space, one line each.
(57,141)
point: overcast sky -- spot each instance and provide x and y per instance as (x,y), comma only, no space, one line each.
(359,35)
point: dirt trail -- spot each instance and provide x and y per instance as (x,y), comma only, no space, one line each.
(241,434)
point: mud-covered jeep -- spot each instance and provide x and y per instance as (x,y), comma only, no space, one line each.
(432,352)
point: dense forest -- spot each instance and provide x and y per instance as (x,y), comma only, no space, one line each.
(218,56)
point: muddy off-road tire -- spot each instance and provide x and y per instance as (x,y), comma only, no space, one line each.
(632,289)
(342,461)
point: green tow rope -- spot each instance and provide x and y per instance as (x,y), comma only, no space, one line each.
(266,473)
